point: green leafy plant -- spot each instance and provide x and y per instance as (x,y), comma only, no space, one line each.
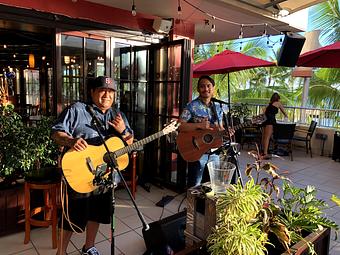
(23,148)
(247,216)
(235,233)
(302,211)
(241,110)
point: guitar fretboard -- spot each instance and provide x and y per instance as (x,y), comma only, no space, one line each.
(138,144)
(236,127)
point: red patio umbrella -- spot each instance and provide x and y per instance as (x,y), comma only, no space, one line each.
(328,56)
(226,62)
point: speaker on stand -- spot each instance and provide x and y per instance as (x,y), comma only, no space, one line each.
(290,49)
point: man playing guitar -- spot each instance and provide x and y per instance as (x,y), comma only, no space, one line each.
(74,130)
(201,114)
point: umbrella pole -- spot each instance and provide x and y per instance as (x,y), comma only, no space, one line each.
(228,94)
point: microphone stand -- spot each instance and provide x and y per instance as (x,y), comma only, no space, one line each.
(233,154)
(114,166)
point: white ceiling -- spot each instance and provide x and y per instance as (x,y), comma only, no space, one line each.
(233,11)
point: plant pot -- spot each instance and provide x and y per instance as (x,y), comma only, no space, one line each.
(44,174)
(12,212)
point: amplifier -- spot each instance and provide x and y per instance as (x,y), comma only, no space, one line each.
(336,146)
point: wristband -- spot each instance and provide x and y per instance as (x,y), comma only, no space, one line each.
(124,131)
(127,138)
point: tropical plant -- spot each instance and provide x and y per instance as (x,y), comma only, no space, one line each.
(24,148)
(241,110)
(234,232)
(247,216)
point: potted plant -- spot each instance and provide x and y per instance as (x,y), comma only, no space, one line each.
(241,111)
(258,219)
(23,149)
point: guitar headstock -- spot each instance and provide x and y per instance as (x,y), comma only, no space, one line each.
(258,119)
(171,127)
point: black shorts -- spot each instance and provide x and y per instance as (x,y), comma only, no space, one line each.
(95,208)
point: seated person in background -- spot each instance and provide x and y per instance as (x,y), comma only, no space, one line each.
(271,110)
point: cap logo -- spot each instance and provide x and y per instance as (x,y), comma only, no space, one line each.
(108,80)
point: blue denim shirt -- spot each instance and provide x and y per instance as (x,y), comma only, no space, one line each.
(196,110)
(77,122)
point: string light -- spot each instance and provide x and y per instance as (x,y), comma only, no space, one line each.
(232,22)
(179,8)
(133,8)
(5,46)
(240,36)
(265,30)
(213,26)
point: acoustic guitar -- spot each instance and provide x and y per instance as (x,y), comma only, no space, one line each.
(80,167)
(192,145)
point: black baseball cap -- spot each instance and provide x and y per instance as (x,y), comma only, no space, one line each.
(103,82)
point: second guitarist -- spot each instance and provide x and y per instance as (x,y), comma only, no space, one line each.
(74,129)
(201,113)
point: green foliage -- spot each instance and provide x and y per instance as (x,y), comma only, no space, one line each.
(234,232)
(302,211)
(241,110)
(24,148)
(247,215)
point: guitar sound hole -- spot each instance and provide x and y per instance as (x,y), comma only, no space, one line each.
(208,138)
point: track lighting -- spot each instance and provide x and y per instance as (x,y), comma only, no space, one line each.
(179,8)
(213,26)
(133,8)
(240,36)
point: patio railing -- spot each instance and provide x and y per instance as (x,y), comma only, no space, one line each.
(325,117)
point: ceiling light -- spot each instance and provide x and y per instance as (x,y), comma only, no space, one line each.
(133,9)
(283,12)
(179,8)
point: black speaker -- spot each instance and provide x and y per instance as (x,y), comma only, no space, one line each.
(336,146)
(290,49)
(166,236)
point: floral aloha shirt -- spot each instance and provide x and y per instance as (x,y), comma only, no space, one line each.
(196,111)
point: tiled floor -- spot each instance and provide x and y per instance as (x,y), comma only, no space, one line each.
(321,172)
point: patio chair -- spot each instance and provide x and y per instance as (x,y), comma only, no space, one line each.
(282,138)
(251,135)
(306,136)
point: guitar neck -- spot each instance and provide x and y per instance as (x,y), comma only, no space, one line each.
(242,125)
(138,144)
(236,127)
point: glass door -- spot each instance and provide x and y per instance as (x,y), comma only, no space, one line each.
(154,86)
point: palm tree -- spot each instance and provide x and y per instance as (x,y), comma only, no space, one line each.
(324,86)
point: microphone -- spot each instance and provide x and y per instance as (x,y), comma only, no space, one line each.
(97,122)
(218,101)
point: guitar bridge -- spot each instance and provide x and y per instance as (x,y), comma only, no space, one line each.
(90,165)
